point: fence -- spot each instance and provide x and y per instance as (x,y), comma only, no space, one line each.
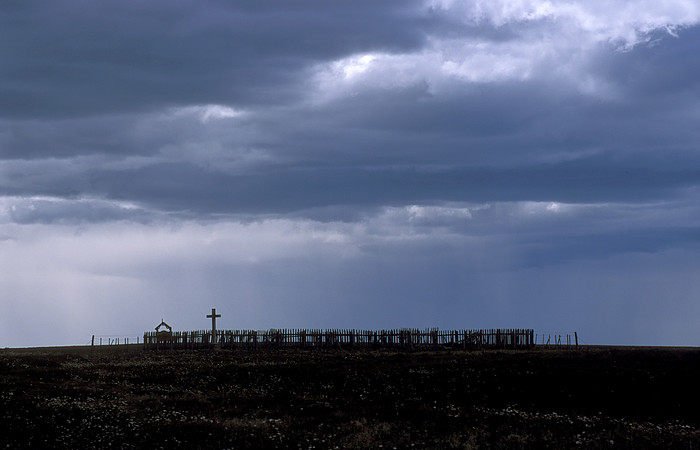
(560,339)
(114,340)
(301,338)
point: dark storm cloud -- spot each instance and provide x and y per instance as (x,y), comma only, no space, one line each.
(143,57)
(111,136)
(206,191)
(561,249)
(177,187)
(664,68)
(67,59)
(72,211)
(34,139)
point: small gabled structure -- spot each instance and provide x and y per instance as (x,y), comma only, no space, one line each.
(163,324)
(164,334)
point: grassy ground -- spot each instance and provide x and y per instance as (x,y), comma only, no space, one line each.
(588,398)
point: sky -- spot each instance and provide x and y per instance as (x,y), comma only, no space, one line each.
(350,164)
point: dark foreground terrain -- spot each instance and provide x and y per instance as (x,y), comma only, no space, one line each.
(588,398)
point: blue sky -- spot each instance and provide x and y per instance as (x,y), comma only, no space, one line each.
(350,164)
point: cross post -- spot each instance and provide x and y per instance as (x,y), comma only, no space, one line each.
(213,317)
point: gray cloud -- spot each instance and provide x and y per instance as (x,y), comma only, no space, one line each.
(74,58)
(483,158)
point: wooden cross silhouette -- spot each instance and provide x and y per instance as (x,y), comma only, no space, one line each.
(213,317)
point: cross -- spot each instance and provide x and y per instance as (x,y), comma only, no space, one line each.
(213,317)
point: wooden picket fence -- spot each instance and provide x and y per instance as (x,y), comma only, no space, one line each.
(336,338)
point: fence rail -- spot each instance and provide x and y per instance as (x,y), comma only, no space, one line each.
(114,340)
(567,339)
(316,338)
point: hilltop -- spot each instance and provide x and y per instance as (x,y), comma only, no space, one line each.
(82,397)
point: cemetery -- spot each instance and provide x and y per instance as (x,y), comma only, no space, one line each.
(348,389)
(163,338)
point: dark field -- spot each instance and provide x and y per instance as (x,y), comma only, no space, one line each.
(588,398)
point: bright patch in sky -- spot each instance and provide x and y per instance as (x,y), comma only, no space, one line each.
(354,66)
(207,113)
